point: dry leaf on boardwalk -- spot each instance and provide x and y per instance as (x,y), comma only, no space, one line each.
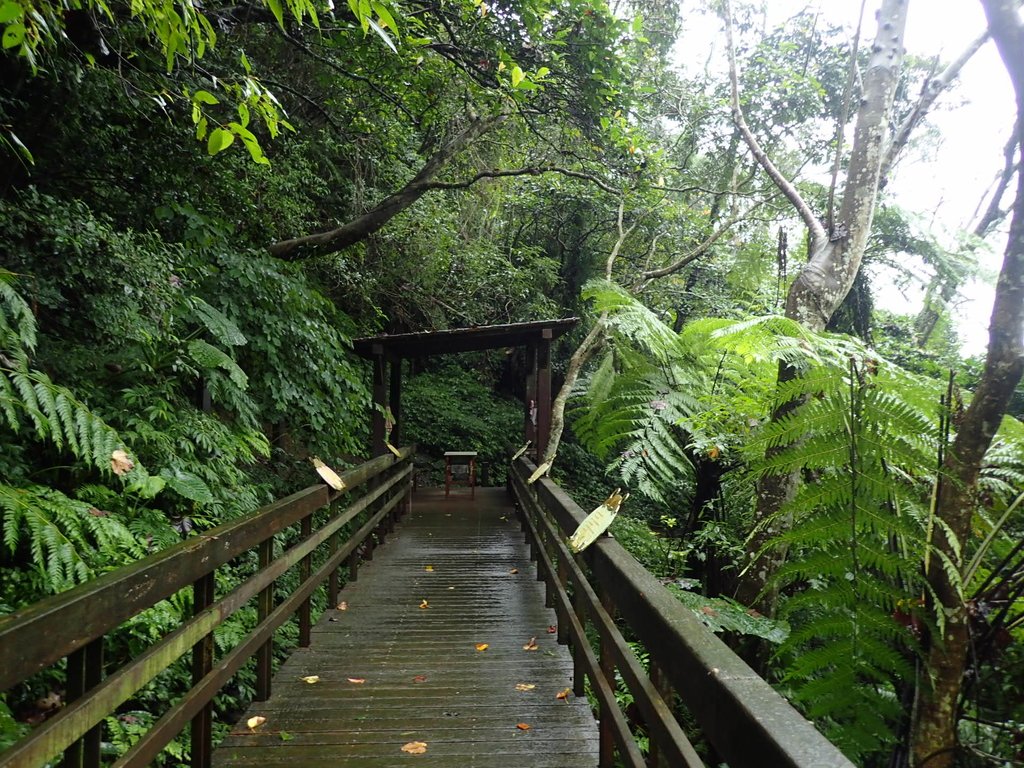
(564,695)
(357,680)
(343,606)
(482,646)
(552,629)
(424,604)
(255,722)
(539,473)
(525,686)
(415,747)
(514,571)
(311,679)
(328,475)
(420,679)
(522,726)
(531,644)
(429,568)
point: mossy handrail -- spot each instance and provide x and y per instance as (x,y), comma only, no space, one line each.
(743,720)
(73,624)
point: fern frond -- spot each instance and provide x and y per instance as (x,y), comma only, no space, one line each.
(65,537)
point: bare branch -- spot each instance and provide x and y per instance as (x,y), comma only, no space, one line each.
(372,220)
(930,91)
(691,256)
(536,170)
(785,186)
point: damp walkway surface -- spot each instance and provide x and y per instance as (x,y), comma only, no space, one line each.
(392,673)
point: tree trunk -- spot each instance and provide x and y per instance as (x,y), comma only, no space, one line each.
(935,728)
(834,262)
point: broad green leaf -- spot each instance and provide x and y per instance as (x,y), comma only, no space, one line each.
(219,141)
(245,64)
(243,114)
(21,147)
(204,97)
(10,12)
(517,76)
(381,33)
(541,73)
(14,35)
(201,129)
(277,10)
(188,485)
(218,324)
(384,15)
(251,143)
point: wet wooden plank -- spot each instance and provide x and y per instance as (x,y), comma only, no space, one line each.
(423,677)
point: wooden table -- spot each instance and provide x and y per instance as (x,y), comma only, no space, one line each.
(455,458)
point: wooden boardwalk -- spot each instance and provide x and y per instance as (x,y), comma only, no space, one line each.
(401,664)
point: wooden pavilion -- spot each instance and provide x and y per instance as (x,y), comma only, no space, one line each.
(387,352)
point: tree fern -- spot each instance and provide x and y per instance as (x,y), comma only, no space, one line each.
(856,540)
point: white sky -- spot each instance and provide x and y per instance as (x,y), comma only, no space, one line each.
(974,120)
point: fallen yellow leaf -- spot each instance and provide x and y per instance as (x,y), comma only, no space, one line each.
(429,568)
(531,644)
(482,646)
(357,680)
(424,604)
(514,571)
(311,679)
(256,722)
(121,463)
(328,475)
(525,686)
(564,695)
(343,606)
(522,726)
(415,747)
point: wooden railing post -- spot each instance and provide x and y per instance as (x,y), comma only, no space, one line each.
(656,755)
(305,568)
(202,663)
(606,661)
(265,604)
(85,671)
(333,585)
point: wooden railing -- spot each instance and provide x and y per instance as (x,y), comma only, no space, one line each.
(742,720)
(73,624)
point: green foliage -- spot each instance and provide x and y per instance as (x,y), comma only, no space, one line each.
(720,614)
(452,410)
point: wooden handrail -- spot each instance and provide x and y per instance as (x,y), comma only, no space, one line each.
(746,722)
(73,624)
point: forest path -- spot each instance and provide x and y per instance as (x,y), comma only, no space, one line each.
(403,662)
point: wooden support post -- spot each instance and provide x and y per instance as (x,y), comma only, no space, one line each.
(333,586)
(605,730)
(543,393)
(656,757)
(265,604)
(563,620)
(395,398)
(530,408)
(305,568)
(85,671)
(202,664)
(379,402)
